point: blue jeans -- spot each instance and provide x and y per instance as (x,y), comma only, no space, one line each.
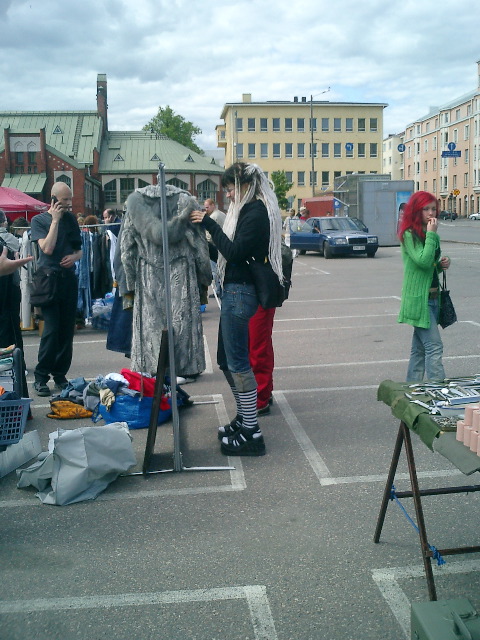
(427,350)
(239,304)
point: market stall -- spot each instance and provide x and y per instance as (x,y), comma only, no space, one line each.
(438,414)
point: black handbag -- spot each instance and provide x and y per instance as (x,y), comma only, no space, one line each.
(44,287)
(270,292)
(447,314)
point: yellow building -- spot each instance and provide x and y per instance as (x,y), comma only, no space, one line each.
(346,137)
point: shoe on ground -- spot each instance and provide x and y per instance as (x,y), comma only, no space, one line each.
(41,389)
(231,428)
(212,295)
(188,380)
(245,442)
(263,411)
(181,380)
(60,386)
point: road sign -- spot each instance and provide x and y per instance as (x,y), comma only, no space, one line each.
(451,146)
(349,146)
(456,192)
(401,148)
(451,154)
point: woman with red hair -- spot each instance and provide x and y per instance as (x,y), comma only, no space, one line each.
(422,262)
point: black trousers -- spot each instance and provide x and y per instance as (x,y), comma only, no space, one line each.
(56,345)
(10,331)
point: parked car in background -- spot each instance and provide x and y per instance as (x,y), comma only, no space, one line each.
(448,215)
(331,237)
(474,216)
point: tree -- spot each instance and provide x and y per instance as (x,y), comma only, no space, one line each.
(281,187)
(175,127)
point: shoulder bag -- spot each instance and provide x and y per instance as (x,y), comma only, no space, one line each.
(270,292)
(447,314)
(44,287)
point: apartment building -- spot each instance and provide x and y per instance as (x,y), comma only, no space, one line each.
(442,153)
(392,156)
(312,141)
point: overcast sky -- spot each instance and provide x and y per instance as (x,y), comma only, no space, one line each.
(196,55)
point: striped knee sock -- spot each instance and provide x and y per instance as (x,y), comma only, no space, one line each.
(248,403)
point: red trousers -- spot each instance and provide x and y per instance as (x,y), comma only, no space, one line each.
(260,352)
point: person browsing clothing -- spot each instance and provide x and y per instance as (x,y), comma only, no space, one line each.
(252,228)
(419,307)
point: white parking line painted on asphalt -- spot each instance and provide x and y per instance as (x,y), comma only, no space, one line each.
(387,582)
(314,458)
(37,344)
(208,358)
(365,363)
(364,298)
(370,315)
(255,596)
(383,478)
(336,327)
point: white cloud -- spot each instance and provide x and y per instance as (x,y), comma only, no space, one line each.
(195,56)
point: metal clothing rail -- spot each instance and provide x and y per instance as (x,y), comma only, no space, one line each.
(167,354)
(428,552)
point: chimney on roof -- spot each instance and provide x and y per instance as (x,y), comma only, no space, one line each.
(246,97)
(304,99)
(102,105)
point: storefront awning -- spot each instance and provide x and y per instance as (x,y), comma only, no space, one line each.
(31,183)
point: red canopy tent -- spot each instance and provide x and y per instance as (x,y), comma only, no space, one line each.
(15,203)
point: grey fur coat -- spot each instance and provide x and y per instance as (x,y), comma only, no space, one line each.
(142,259)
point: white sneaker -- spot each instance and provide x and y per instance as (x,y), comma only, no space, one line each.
(181,380)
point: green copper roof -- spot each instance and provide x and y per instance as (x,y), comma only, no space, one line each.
(28,183)
(75,134)
(127,151)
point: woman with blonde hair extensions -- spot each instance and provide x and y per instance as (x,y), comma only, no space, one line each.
(252,228)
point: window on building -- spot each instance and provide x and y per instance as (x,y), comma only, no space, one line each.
(425,185)
(127,185)
(239,150)
(206,189)
(457,114)
(239,124)
(66,179)
(466,156)
(251,124)
(337,174)
(301,178)
(313,178)
(337,124)
(425,166)
(263,124)
(469,109)
(455,135)
(417,167)
(289,150)
(348,124)
(417,148)
(289,176)
(314,150)
(349,151)
(466,133)
(276,124)
(337,150)
(361,124)
(263,150)
(445,118)
(313,124)
(454,183)
(434,188)
(288,124)
(465,179)
(301,124)
(325,124)
(276,150)
(373,149)
(434,143)
(251,150)
(325,149)
(300,149)
(31,157)
(176,182)
(434,164)
(427,127)
(425,145)
(361,149)
(19,157)
(325,179)
(142,183)
(110,191)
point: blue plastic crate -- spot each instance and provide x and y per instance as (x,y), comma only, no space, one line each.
(13,418)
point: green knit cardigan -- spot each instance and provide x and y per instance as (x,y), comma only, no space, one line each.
(419,263)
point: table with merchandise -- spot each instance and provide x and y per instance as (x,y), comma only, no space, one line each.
(445,415)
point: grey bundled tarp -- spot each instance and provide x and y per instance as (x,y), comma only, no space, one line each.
(81,463)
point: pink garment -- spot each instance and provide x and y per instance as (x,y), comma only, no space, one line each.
(260,352)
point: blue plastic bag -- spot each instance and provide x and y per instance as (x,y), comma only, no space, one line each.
(135,411)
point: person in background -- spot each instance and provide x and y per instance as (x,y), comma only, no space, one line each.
(111,221)
(304,213)
(59,241)
(219,217)
(18,226)
(422,262)
(8,266)
(252,228)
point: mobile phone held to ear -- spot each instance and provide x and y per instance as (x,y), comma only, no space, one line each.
(54,199)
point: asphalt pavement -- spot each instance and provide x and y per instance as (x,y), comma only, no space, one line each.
(281,547)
